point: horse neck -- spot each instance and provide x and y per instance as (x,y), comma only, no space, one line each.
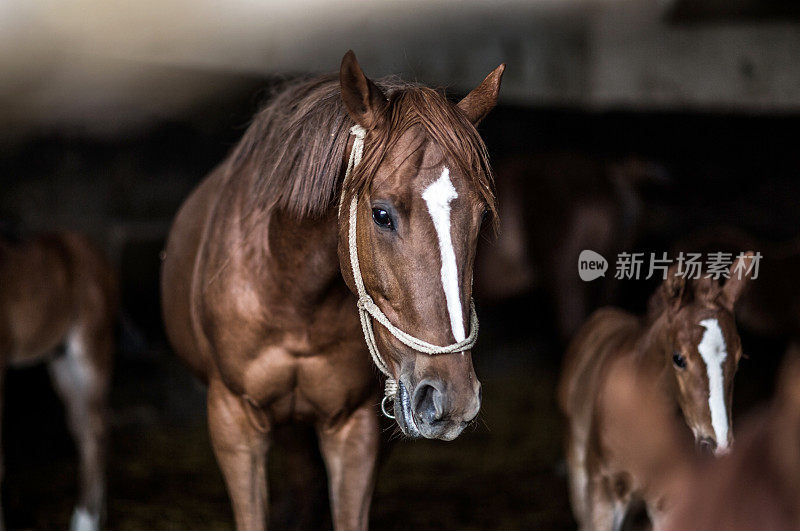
(303,252)
(294,251)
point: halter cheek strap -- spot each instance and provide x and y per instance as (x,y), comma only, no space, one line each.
(368,310)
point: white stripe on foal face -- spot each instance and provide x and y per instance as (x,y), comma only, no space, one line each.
(714,351)
(438,196)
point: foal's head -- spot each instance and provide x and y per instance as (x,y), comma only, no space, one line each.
(424,189)
(702,350)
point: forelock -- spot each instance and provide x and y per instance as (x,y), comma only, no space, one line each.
(445,125)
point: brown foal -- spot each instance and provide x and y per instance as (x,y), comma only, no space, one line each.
(758,486)
(755,487)
(258,290)
(687,351)
(58,291)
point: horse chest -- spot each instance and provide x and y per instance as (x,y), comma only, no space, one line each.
(301,380)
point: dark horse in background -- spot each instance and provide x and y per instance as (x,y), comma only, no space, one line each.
(58,304)
(258,290)
(771,306)
(553,206)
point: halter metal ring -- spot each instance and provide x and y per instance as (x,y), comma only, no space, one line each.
(383,406)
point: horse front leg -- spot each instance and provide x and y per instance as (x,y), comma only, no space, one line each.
(240,442)
(350,451)
(303,500)
(607,511)
(576,477)
(81,377)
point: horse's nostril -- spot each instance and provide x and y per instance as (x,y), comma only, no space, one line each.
(707,446)
(428,402)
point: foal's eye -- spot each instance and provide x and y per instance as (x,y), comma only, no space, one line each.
(382,218)
(679,360)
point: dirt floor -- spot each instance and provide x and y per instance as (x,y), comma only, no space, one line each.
(504,472)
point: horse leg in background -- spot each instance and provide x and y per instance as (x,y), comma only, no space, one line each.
(350,451)
(605,513)
(81,377)
(577,477)
(300,499)
(240,437)
(591,227)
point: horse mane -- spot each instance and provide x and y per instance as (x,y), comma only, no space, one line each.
(293,150)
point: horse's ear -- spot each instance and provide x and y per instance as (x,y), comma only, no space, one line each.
(673,289)
(740,273)
(364,101)
(477,104)
(706,290)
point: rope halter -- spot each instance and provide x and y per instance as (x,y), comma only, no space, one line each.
(368,310)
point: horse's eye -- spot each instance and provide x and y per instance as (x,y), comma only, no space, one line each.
(679,360)
(382,218)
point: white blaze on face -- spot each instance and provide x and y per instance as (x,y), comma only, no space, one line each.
(714,351)
(438,196)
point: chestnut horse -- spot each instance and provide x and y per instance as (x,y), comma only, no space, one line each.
(687,349)
(340,186)
(58,304)
(757,486)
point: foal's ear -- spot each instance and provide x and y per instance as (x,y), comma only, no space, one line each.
(477,104)
(364,101)
(740,273)
(673,289)
(706,290)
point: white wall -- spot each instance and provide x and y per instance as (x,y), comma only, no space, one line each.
(100,66)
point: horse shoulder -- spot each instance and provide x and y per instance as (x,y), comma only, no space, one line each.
(180,283)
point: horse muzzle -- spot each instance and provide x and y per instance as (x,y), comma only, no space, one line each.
(707,446)
(428,410)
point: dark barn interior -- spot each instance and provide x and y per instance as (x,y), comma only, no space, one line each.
(720,156)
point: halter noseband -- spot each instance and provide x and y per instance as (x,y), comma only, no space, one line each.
(367,307)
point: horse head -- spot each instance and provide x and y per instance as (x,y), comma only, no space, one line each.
(701,349)
(411,213)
